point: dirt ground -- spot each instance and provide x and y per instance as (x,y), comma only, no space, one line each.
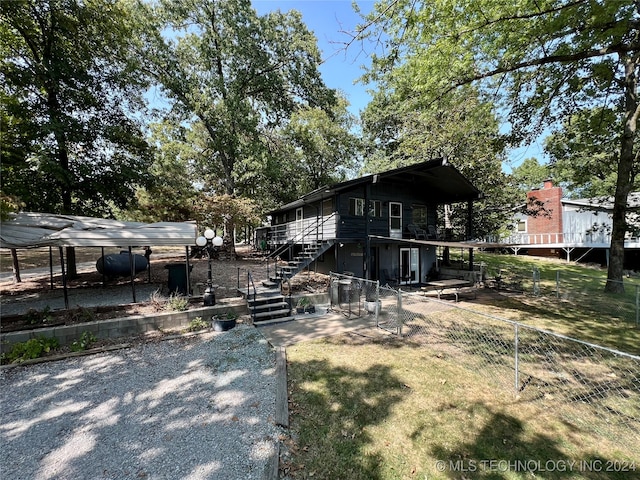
(227,274)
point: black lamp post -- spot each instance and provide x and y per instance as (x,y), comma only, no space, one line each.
(211,240)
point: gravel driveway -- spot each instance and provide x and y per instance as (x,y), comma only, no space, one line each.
(199,407)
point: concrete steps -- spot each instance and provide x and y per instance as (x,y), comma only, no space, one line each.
(268,305)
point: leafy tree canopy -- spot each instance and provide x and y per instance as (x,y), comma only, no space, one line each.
(401,129)
(235,78)
(528,175)
(325,144)
(585,153)
(543,61)
(70,87)
(172,194)
(237,74)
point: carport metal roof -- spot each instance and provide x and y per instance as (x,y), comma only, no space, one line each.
(29,230)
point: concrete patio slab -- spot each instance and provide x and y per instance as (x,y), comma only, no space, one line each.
(312,327)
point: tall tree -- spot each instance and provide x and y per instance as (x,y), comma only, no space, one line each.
(236,74)
(401,128)
(325,143)
(545,59)
(585,152)
(172,194)
(70,92)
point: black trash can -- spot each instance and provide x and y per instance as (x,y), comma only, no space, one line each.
(178,278)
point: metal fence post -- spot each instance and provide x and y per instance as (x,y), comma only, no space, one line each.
(377,300)
(637,305)
(517,373)
(399,327)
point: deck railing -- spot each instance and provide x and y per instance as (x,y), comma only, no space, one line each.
(307,230)
(565,238)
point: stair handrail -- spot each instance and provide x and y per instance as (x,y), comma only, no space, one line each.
(315,226)
(251,283)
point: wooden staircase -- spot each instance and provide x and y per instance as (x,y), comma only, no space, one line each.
(306,257)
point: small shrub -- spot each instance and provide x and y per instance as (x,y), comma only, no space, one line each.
(303,302)
(158,301)
(197,324)
(83,315)
(33,348)
(35,317)
(177,303)
(229,315)
(85,340)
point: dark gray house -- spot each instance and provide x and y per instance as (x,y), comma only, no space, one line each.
(380,226)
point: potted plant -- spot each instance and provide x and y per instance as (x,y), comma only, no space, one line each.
(304,305)
(224,322)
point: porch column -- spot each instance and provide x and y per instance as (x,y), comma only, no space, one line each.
(367,240)
(470,231)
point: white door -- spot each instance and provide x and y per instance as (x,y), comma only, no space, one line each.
(299,223)
(409,265)
(395,219)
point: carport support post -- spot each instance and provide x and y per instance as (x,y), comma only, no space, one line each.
(133,271)
(104,278)
(64,279)
(186,268)
(51,267)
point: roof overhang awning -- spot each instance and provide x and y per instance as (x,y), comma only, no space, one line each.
(30,230)
(437,179)
(443,243)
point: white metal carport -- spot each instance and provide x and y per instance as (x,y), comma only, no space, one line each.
(32,230)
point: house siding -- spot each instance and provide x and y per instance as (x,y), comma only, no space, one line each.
(358,243)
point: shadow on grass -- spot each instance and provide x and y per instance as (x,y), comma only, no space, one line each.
(340,404)
(577,319)
(502,449)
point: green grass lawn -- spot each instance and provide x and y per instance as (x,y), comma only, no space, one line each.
(388,408)
(581,310)
(367,406)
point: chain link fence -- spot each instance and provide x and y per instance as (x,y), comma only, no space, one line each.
(355,296)
(595,387)
(569,290)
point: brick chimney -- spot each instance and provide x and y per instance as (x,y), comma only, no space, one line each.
(548,221)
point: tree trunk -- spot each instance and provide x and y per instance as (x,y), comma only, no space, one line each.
(72,270)
(623,184)
(16,266)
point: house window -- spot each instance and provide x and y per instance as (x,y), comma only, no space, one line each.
(395,218)
(419,216)
(327,207)
(522,226)
(356,207)
(375,208)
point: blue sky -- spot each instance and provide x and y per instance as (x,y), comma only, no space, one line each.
(342,68)
(327,19)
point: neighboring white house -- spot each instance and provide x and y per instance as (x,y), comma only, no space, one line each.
(572,228)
